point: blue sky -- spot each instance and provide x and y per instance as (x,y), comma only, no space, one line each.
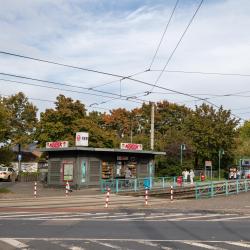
(121,37)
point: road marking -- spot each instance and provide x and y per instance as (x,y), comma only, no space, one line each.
(121,215)
(195,217)
(23,215)
(106,244)
(231,218)
(76,248)
(151,244)
(240,244)
(13,242)
(147,217)
(202,245)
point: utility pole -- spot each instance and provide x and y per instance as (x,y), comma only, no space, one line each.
(152,126)
(19,157)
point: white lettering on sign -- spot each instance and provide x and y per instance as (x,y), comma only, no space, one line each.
(82,139)
(131,146)
(57,144)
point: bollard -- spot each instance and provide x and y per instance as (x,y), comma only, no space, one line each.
(171,193)
(35,195)
(67,189)
(107,197)
(146,196)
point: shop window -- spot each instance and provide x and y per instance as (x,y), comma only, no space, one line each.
(123,163)
(108,170)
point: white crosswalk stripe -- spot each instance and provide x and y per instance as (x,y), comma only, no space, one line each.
(135,216)
(202,245)
(119,244)
(239,244)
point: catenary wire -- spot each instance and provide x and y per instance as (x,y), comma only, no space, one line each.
(64,84)
(178,43)
(105,73)
(66,90)
(162,37)
(50,101)
(202,72)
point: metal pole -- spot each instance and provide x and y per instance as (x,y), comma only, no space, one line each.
(219,162)
(152,126)
(181,154)
(131,131)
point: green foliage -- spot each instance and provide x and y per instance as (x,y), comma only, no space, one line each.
(4,123)
(23,119)
(6,156)
(70,117)
(210,131)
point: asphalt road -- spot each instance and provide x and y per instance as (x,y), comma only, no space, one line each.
(109,234)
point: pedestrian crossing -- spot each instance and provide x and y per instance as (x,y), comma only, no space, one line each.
(119,244)
(86,202)
(123,216)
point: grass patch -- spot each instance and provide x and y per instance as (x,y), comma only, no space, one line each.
(4,191)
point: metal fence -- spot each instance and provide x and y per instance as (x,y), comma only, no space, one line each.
(137,184)
(208,190)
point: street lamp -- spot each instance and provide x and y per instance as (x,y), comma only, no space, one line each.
(183,148)
(221,152)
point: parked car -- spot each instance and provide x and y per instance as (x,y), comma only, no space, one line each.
(7,173)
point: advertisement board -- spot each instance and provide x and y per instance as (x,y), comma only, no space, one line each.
(68,171)
(82,139)
(131,146)
(57,144)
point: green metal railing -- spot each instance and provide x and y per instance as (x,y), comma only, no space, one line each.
(208,190)
(137,184)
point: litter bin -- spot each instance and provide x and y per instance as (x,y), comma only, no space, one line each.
(146,183)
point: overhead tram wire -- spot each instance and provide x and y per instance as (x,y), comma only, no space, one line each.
(162,37)
(177,45)
(202,73)
(65,90)
(123,78)
(99,72)
(60,64)
(67,85)
(50,101)
(128,98)
(110,74)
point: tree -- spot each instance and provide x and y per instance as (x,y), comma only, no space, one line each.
(243,141)
(4,123)
(66,119)
(211,131)
(22,118)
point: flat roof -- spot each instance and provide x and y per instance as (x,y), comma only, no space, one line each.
(114,150)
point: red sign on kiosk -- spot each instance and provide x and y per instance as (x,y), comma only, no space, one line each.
(131,146)
(57,144)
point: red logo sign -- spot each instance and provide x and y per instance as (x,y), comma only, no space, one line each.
(57,144)
(131,146)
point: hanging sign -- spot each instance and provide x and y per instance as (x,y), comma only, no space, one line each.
(57,144)
(131,146)
(82,139)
